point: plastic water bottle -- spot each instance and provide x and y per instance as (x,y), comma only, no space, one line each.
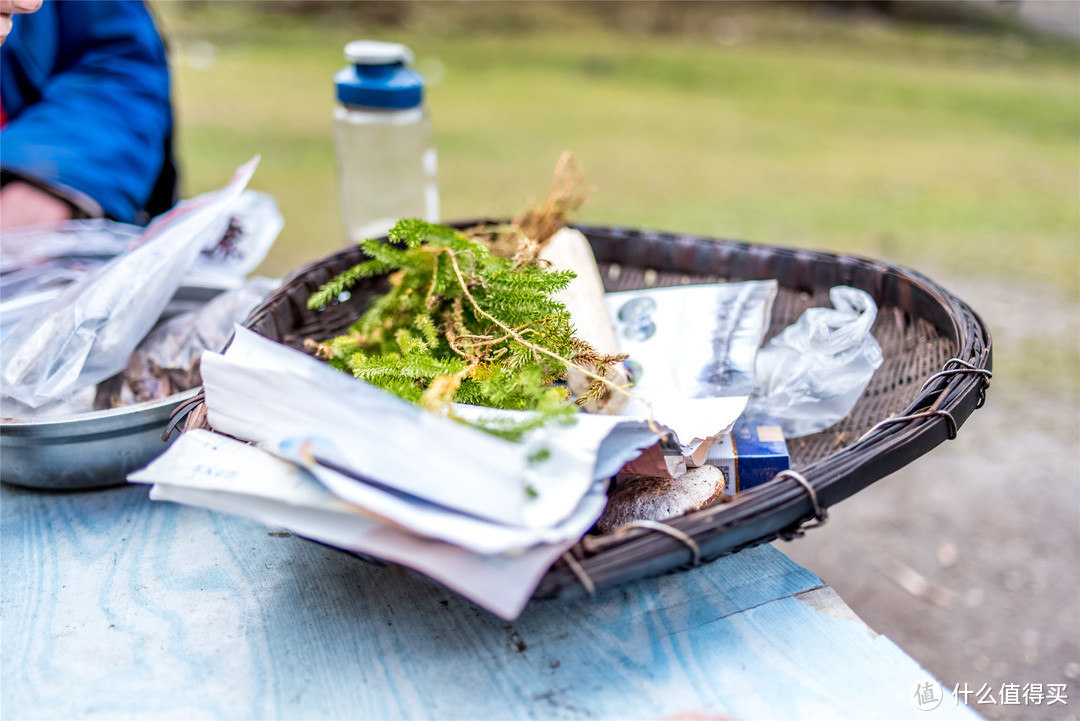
(386,165)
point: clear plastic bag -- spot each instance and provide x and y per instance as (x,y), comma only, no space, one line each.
(86,334)
(167,361)
(40,259)
(254,224)
(811,375)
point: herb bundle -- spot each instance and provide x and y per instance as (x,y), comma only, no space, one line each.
(463,324)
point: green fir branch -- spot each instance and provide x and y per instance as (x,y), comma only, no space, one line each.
(460,324)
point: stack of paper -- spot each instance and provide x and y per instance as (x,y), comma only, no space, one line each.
(369,472)
(342,462)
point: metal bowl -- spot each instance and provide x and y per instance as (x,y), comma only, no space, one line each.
(87,450)
(95,449)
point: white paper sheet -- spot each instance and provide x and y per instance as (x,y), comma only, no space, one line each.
(434,521)
(692,349)
(212,471)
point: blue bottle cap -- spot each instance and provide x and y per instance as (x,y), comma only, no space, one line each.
(379,76)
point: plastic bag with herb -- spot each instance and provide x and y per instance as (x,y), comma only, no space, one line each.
(86,333)
(167,361)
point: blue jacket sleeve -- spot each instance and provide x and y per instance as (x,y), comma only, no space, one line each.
(86,91)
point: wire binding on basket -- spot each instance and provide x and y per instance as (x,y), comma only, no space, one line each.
(686,539)
(914,417)
(590,587)
(984,372)
(821,515)
(967,368)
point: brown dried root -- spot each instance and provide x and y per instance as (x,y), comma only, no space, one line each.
(566,194)
(526,235)
(322,351)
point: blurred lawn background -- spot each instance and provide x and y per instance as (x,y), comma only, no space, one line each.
(953,148)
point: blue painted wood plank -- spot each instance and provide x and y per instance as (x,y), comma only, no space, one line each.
(112,605)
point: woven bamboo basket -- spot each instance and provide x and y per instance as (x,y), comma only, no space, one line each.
(937,358)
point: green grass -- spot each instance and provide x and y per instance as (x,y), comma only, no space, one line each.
(938,150)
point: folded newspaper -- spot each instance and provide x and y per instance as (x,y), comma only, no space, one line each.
(339,461)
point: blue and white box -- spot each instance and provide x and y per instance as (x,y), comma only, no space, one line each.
(752,454)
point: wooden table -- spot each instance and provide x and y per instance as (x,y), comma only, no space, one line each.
(115,606)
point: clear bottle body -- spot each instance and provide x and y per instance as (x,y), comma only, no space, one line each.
(386,168)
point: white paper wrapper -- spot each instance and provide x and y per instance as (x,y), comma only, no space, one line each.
(209,470)
(569,249)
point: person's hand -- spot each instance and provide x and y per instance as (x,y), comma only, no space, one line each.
(11,7)
(23,204)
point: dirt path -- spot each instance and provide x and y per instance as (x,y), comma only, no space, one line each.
(969,558)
